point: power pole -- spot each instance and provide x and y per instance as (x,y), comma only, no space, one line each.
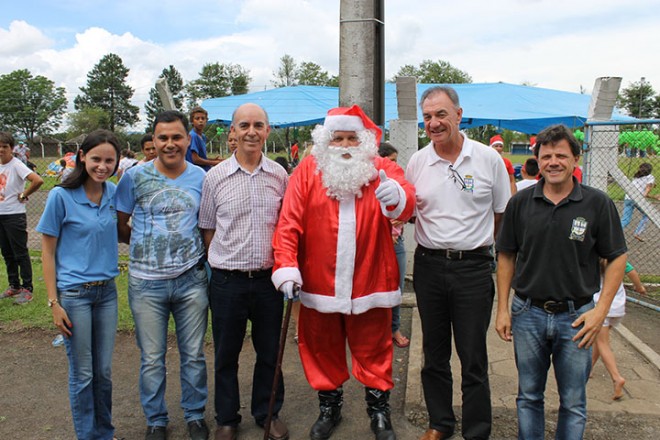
(362,57)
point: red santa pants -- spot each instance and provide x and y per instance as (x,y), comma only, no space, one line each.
(322,344)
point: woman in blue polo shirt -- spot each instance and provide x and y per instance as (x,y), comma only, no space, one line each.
(79,255)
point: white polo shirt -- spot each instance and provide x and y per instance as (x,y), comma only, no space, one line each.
(455,210)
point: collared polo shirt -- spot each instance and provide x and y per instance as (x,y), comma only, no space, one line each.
(455,209)
(243,208)
(86,235)
(558,246)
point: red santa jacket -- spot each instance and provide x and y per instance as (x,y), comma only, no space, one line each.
(341,253)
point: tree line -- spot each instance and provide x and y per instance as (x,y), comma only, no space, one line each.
(33,105)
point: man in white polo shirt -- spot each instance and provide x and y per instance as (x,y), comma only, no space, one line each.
(462,190)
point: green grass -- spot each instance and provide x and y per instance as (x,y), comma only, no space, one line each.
(36,313)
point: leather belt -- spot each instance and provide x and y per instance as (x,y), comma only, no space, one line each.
(96,284)
(551,306)
(257,273)
(480,253)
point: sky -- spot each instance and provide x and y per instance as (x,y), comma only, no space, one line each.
(557,44)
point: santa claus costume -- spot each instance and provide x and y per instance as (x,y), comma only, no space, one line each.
(333,241)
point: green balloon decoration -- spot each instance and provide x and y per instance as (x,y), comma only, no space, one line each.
(640,140)
(579,135)
(219,130)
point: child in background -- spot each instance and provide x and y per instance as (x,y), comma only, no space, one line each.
(602,348)
(643,181)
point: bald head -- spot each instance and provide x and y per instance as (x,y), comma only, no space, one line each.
(249,106)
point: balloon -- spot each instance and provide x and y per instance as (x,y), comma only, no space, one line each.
(219,130)
(579,135)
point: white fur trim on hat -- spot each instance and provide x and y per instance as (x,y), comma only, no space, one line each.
(343,123)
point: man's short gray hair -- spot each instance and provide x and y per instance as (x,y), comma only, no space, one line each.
(449,91)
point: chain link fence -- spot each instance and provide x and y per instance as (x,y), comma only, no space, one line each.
(614,156)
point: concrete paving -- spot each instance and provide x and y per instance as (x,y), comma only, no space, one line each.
(639,365)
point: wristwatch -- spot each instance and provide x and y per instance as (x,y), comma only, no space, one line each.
(22,197)
(52,302)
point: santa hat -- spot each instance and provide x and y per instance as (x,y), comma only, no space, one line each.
(497,139)
(350,119)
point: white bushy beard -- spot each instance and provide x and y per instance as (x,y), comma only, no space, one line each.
(344,178)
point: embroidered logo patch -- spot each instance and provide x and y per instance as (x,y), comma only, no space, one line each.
(469,183)
(578,229)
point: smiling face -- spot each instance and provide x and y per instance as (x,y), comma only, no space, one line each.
(100,162)
(557,162)
(441,119)
(251,129)
(171,140)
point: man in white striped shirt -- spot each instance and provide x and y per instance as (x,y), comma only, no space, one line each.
(240,205)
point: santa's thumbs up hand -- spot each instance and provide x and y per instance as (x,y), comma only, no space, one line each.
(387,192)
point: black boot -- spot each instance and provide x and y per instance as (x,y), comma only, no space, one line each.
(330,403)
(378,408)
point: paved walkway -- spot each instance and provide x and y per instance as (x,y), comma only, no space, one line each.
(639,365)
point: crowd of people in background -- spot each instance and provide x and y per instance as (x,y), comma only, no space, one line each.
(238,236)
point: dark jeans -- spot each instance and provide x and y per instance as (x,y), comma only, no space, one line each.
(234,299)
(13,242)
(455,296)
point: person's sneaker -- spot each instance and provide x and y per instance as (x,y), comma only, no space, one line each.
(24,296)
(10,292)
(156,433)
(198,430)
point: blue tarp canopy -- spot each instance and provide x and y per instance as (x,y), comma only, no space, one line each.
(514,107)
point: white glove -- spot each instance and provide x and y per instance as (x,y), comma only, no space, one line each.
(291,290)
(387,192)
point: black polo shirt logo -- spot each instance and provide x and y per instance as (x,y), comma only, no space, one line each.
(578,229)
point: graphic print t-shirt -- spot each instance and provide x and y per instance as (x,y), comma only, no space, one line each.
(165,239)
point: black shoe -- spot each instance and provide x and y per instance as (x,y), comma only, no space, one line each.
(198,430)
(156,433)
(378,408)
(330,403)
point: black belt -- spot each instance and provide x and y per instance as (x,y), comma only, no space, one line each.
(551,306)
(258,273)
(480,253)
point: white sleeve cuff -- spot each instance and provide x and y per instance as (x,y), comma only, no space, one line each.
(286,274)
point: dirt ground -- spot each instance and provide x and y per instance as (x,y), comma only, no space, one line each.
(34,401)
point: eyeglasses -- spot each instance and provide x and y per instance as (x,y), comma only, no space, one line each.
(456,176)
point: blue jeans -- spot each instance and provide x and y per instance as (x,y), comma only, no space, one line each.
(540,338)
(235,299)
(152,301)
(400,251)
(628,207)
(93,313)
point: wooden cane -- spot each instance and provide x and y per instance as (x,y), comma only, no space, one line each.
(278,366)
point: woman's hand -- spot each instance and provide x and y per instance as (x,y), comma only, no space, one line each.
(61,320)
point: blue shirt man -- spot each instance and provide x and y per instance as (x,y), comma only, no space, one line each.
(166,272)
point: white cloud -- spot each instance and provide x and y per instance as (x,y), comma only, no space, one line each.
(556,44)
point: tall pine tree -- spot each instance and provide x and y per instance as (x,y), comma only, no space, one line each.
(107,89)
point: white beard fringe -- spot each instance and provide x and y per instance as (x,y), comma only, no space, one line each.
(344,178)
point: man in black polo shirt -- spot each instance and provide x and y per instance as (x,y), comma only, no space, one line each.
(549,248)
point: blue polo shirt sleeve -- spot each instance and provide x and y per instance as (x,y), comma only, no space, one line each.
(53,215)
(125,194)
